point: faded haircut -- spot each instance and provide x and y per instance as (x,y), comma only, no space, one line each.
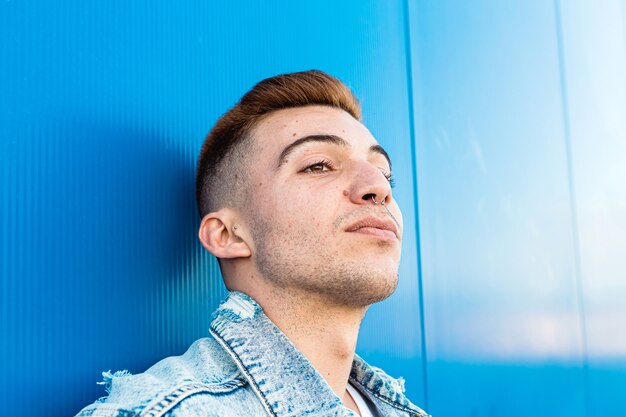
(221,178)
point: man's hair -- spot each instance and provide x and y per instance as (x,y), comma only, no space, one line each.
(221,178)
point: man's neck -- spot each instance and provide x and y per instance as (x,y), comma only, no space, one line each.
(326,334)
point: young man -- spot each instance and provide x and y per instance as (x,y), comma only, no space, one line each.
(295,199)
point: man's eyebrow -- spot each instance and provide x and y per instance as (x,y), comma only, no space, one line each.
(379,149)
(332,139)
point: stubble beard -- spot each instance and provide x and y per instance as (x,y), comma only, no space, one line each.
(304,266)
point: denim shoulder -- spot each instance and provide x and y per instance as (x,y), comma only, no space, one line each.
(205,370)
(382,386)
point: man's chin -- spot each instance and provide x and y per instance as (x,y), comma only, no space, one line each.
(385,292)
(371,290)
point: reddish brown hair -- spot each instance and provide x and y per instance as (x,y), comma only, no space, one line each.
(219,179)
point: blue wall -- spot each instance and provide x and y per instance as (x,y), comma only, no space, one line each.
(505,121)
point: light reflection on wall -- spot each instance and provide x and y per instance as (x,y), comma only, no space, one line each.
(595,56)
(521,150)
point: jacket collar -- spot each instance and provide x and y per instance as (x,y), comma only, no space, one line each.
(284,380)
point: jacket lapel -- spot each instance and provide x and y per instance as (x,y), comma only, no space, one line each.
(283,379)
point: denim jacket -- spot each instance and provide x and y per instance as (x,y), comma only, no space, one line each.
(248,368)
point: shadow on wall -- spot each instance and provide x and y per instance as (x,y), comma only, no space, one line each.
(106,266)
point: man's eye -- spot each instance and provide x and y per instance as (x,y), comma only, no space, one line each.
(318,167)
(390,178)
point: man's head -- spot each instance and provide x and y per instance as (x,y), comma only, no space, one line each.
(294,193)
(226,154)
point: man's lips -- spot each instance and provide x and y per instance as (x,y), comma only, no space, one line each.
(376,226)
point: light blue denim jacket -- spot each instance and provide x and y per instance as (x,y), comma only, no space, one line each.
(249,368)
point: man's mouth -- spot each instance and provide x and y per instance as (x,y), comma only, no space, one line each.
(376,226)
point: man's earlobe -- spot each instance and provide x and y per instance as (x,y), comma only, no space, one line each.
(222,238)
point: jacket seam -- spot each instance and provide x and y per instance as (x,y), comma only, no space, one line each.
(162,405)
(243,369)
(89,411)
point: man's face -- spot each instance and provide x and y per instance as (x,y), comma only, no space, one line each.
(315,175)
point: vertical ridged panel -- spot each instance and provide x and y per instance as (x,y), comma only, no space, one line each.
(103,110)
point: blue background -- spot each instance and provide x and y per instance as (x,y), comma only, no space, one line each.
(506,124)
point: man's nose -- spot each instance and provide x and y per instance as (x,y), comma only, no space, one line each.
(369,185)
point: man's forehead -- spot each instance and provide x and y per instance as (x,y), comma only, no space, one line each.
(285,126)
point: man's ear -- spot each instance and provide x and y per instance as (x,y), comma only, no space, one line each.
(220,235)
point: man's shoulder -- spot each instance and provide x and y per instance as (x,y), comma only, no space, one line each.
(205,371)
(381,385)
